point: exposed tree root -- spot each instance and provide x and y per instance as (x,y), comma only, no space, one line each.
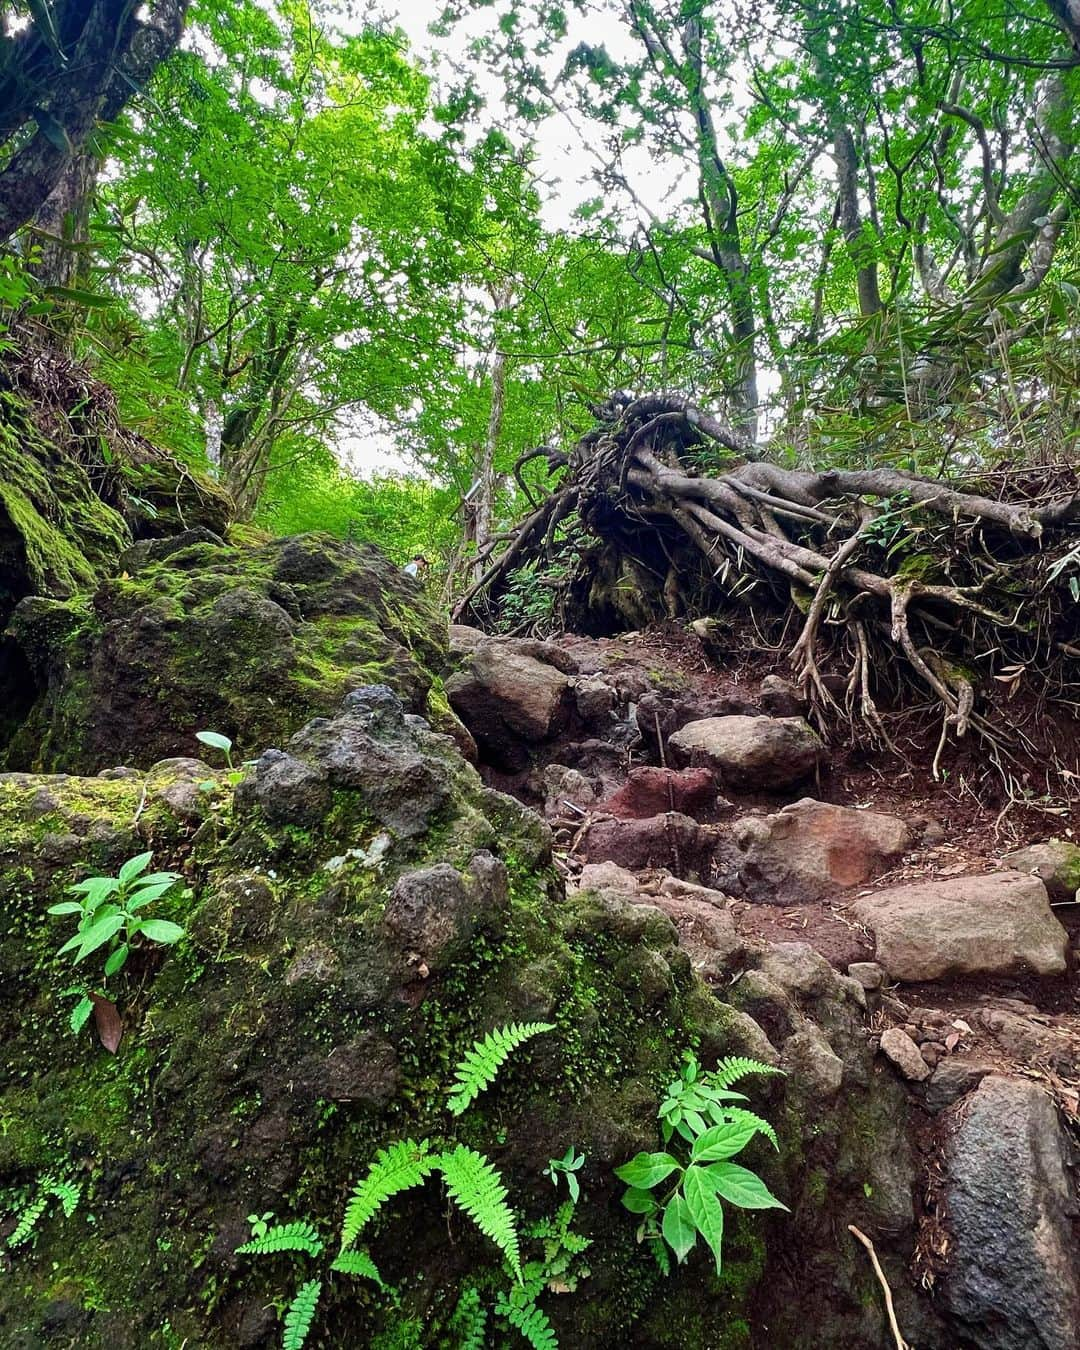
(942,582)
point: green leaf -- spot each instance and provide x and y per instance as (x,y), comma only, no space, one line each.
(101,931)
(144,895)
(722,1141)
(646,1170)
(400,1166)
(704,1209)
(300,1315)
(87,299)
(483,1061)
(741,1187)
(133,867)
(476,1187)
(640,1202)
(116,959)
(357,1263)
(160,930)
(299,1236)
(678,1228)
(80,1014)
(215,740)
(65,907)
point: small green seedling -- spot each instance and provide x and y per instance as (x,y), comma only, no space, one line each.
(110,916)
(65,1190)
(216,741)
(567,1166)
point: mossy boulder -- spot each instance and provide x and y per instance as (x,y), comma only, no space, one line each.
(339,959)
(197,634)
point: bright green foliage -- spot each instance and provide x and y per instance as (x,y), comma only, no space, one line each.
(108,910)
(694,1100)
(679,1197)
(469,1321)
(567,1166)
(482,1063)
(299,1236)
(476,1187)
(49,1187)
(301,1314)
(357,1263)
(530,1321)
(397,1168)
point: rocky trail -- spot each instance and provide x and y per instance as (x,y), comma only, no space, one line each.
(789,869)
(639,845)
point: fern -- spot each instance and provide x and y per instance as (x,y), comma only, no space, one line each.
(67,1192)
(300,1315)
(357,1263)
(736,1113)
(735,1068)
(476,1187)
(28,1219)
(469,1321)
(399,1167)
(530,1321)
(299,1236)
(482,1063)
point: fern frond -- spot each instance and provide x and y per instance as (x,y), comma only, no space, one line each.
(67,1192)
(298,1236)
(735,1068)
(482,1063)
(469,1321)
(28,1219)
(357,1263)
(762,1126)
(300,1315)
(399,1167)
(476,1187)
(531,1322)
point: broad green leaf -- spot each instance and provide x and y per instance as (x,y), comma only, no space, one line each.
(741,1187)
(87,926)
(159,930)
(116,959)
(133,867)
(678,1228)
(639,1202)
(722,1141)
(646,1170)
(215,740)
(705,1209)
(100,932)
(65,907)
(145,895)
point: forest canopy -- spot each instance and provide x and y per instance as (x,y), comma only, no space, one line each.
(285,237)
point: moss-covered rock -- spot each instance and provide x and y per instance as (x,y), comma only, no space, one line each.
(339,961)
(196,634)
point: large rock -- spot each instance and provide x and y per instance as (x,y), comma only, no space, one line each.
(673,841)
(811,848)
(649,791)
(750,752)
(1056,863)
(199,635)
(1014,1269)
(999,924)
(508,700)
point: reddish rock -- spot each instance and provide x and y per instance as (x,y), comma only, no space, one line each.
(650,791)
(670,840)
(811,848)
